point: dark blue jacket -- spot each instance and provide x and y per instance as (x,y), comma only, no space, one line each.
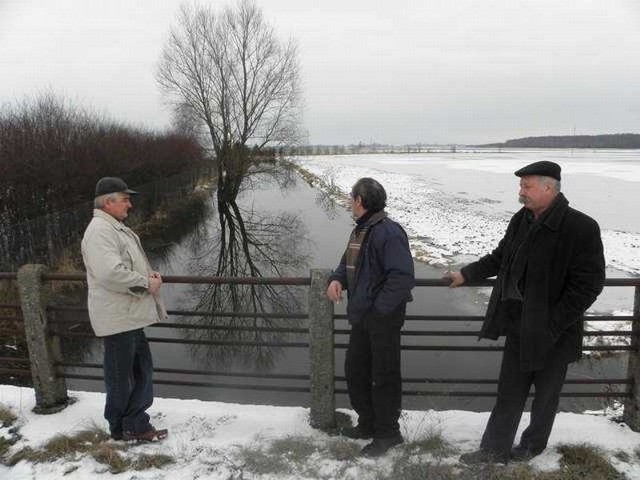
(384,273)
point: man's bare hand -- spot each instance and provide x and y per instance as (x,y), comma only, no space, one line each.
(456,278)
(155,282)
(334,291)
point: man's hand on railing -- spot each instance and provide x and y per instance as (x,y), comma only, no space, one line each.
(334,291)
(155,282)
(456,278)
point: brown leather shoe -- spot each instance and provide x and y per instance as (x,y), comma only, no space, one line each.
(151,435)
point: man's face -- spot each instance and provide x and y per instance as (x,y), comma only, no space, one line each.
(534,194)
(118,208)
(357,210)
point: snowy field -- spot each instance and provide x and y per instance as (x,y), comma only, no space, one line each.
(456,206)
(206,439)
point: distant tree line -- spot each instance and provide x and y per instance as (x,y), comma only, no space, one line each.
(52,153)
(617,140)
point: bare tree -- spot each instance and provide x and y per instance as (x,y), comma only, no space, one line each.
(229,70)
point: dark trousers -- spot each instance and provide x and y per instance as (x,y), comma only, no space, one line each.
(372,368)
(513,389)
(128,374)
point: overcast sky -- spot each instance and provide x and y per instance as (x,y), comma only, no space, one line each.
(391,71)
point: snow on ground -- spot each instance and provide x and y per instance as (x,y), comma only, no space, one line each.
(206,436)
(458,206)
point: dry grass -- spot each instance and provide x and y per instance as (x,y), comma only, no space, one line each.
(7,417)
(94,442)
(433,443)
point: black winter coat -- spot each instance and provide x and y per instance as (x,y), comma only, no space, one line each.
(565,272)
(384,274)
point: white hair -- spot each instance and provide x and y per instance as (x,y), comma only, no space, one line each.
(552,182)
(99,201)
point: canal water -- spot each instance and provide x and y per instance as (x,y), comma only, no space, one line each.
(283,227)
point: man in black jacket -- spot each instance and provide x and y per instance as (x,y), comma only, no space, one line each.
(377,272)
(550,268)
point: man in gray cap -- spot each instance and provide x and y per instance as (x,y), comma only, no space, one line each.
(124,297)
(550,268)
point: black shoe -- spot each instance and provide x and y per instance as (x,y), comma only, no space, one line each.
(521,453)
(483,456)
(358,432)
(117,436)
(379,446)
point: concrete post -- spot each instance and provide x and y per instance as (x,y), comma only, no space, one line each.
(44,349)
(632,404)
(321,352)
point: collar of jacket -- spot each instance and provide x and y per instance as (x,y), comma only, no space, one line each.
(105,216)
(552,216)
(370,218)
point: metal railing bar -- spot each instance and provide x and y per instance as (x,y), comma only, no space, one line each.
(184,326)
(292,315)
(239,386)
(420,282)
(467,333)
(206,342)
(14,359)
(213,373)
(16,371)
(595,348)
(464,393)
(480,318)
(80,277)
(10,305)
(489,381)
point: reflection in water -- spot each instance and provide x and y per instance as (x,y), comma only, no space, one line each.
(249,243)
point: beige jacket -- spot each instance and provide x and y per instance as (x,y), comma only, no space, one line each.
(118,278)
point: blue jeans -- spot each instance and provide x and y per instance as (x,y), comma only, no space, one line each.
(128,372)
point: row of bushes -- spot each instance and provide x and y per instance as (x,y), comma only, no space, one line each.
(52,153)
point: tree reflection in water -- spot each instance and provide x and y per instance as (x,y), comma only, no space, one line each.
(249,243)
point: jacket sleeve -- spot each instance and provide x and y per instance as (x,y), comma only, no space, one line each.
(398,273)
(102,257)
(489,265)
(584,281)
(340,273)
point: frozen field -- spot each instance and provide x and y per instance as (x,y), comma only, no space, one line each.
(456,206)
